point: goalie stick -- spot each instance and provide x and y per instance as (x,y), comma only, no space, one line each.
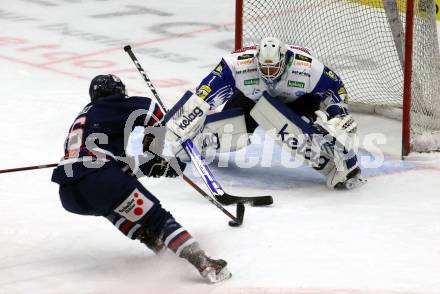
(218,192)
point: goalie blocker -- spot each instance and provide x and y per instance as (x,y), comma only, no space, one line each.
(333,158)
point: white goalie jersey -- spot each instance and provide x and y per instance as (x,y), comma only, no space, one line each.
(303,74)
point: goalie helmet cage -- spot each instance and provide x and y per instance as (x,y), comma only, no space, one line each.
(364,42)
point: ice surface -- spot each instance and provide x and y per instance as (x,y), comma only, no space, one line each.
(381,238)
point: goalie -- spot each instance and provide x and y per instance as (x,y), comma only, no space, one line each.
(283,88)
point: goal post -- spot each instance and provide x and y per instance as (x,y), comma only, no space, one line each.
(407,79)
(364,42)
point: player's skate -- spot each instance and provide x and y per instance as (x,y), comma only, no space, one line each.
(152,241)
(214,270)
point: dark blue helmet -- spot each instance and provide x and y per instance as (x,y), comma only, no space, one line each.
(105,85)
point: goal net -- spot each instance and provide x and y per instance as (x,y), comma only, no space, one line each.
(363,41)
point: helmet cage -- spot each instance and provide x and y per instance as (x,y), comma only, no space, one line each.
(271,59)
(270,71)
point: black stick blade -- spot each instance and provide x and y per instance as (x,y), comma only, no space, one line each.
(228,199)
(239,217)
(127,48)
(240,212)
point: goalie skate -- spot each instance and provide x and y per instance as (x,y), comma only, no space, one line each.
(354,180)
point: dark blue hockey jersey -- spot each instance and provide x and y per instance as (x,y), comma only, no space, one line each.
(99,134)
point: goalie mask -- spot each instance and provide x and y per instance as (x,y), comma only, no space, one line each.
(105,85)
(271,58)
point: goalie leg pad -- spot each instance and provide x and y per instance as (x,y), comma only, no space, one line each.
(230,129)
(223,132)
(304,141)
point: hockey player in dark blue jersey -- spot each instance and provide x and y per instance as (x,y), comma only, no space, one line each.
(283,88)
(97,177)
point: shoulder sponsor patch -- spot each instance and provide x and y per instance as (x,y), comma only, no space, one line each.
(251,82)
(301,63)
(245,56)
(303,58)
(204,91)
(246,61)
(135,206)
(295,84)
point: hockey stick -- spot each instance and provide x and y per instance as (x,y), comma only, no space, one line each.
(236,220)
(206,174)
(11,170)
(218,192)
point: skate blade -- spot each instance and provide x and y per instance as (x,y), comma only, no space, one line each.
(214,277)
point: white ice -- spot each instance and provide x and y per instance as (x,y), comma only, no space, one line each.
(381,238)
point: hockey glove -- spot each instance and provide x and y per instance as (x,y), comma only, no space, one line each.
(336,126)
(154,140)
(159,167)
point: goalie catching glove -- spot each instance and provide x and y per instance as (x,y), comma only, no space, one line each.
(336,126)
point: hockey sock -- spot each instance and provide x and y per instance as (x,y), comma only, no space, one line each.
(175,237)
(125,226)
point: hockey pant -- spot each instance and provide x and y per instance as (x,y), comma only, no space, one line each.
(121,198)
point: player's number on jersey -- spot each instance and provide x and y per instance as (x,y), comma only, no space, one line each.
(75,138)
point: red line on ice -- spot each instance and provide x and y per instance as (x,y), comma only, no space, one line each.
(138,44)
